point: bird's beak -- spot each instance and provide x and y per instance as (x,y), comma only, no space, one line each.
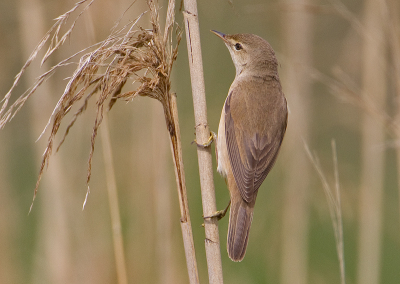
(221,35)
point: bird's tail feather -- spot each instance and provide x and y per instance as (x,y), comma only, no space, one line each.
(240,218)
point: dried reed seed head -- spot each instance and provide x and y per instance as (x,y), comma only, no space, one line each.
(140,55)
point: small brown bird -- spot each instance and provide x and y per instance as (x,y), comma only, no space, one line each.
(253,123)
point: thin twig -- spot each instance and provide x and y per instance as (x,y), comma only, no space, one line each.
(339,234)
(333,198)
(114,204)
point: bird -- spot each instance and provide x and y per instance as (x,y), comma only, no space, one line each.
(250,133)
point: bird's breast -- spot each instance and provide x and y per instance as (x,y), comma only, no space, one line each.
(222,151)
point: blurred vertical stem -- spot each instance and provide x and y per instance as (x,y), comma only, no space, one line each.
(53,242)
(373,136)
(112,191)
(113,202)
(298,35)
(393,25)
(212,245)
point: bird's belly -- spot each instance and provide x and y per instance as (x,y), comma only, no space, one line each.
(222,151)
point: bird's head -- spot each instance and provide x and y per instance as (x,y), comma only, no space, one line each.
(250,53)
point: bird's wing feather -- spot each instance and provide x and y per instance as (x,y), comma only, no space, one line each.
(252,166)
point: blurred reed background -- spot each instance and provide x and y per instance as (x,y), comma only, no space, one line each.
(340,70)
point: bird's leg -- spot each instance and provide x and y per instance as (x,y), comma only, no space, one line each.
(219,214)
(212,137)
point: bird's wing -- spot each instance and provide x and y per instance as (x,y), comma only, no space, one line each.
(251,156)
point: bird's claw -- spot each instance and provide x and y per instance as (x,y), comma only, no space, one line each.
(219,214)
(212,138)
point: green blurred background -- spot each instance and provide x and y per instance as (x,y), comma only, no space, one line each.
(340,71)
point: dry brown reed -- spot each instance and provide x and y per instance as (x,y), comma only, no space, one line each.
(130,53)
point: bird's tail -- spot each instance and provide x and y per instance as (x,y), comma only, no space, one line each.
(240,217)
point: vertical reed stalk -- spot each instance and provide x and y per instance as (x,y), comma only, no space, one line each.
(113,203)
(186,226)
(297,86)
(165,257)
(373,136)
(212,244)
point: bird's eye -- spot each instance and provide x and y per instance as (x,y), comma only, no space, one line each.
(238,46)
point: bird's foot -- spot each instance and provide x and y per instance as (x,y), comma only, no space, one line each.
(212,137)
(219,214)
